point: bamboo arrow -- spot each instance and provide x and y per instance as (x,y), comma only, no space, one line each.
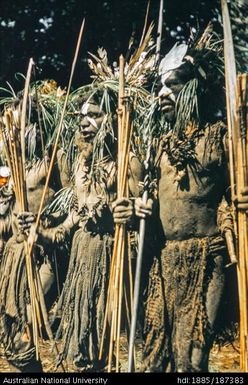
(237,178)
(33,232)
(60,129)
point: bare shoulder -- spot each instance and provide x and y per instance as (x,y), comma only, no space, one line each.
(135,166)
(63,167)
(135,174)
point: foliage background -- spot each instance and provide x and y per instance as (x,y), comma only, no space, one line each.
(47,31)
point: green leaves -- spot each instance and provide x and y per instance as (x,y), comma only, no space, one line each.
(187,105)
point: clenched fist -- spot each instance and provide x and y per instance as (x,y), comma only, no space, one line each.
(143,210)
(242,201)
(122,210)
(25,221)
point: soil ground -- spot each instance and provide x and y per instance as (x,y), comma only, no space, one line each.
(224,359)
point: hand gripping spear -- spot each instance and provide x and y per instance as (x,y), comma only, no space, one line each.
(59,131)
(14,144)
(136,294)
(142,221)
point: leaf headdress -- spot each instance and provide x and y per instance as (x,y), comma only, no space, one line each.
(202,64)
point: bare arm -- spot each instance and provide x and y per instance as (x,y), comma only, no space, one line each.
(135,176)
(57,234)
(64,171)
(26,225)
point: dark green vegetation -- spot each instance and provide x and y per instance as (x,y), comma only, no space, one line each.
(47,31)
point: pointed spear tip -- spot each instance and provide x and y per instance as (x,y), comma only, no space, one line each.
(82,24)
(121,60)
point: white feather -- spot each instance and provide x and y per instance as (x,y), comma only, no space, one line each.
(172,60)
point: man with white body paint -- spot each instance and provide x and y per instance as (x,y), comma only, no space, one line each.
(187,276)
(92,217)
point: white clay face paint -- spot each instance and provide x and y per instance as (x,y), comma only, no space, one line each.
(166,91)
(85,108)
(92,121)
(84,111)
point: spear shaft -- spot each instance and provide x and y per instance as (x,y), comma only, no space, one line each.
(23,126)
(159,34)
(33,231)
(137,288)
(60,129)
(230,79)
(238,177)
(142,228)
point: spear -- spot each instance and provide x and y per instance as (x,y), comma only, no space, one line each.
(142,226)
(15,151)
(242,180)
(33,232)
(14,154)
(34,297)
(137,288)
(23,126)
(116,288)
(159,32)
(55,147)
(237,161)
(124,135)
(230,79)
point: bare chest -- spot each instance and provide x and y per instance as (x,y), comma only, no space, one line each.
(92,192)
(194,177)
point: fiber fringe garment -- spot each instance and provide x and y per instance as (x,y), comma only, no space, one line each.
(14,300)
(176,301)
(82,303)
(179,277)
(83,299)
